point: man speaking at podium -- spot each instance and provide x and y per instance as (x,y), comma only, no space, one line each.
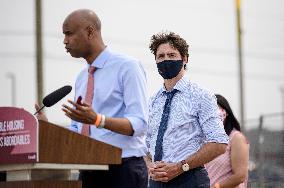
(114,104)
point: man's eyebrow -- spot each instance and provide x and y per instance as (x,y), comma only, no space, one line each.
(161,54)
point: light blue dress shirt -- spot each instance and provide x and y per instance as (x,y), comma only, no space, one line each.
(119,92)
(193,121)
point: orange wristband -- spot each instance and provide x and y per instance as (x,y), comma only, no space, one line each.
(217,185)
(98,120)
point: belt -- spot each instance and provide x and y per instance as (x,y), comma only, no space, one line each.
(131,158)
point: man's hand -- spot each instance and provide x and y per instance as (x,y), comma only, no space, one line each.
(40,115)
(80,112)
(165,172)
(150,165)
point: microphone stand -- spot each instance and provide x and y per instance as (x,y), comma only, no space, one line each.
(39,110)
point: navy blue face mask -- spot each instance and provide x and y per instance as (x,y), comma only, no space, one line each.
(169,69)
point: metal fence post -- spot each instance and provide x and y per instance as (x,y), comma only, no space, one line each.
(260,153)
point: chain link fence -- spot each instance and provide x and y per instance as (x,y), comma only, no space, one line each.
(266,167)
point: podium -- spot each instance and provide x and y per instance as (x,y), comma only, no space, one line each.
(60,151)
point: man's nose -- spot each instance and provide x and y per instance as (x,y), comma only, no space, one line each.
(65,41)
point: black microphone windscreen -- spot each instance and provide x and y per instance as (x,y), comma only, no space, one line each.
(56,96)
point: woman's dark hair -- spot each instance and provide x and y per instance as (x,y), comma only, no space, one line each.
(230,122)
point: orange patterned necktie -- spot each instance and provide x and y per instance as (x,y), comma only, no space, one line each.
(89,97)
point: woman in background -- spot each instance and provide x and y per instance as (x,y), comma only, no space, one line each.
(231,168)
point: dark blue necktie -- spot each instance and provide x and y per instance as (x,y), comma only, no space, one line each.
(163,126)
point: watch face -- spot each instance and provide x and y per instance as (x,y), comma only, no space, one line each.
(185,167)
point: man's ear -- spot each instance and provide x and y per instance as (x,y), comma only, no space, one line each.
(185,59)
(90,31)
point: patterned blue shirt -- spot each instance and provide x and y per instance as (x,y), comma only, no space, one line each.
(193,121)
(119,92)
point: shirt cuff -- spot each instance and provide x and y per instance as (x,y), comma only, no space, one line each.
(139,126)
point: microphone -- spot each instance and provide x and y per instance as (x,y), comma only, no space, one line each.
(54,97)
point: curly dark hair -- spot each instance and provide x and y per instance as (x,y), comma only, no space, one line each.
(231,121)
(173,39)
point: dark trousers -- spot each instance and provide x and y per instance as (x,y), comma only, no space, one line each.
(132,173)
(2,176)
(195,178)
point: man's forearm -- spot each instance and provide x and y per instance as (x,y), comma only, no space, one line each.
(119,125)
(207,153)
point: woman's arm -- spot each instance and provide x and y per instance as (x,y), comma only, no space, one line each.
(239,161)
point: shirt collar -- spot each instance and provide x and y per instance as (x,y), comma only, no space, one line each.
(102,58)
(180,85)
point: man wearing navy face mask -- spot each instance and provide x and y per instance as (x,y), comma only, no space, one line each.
(184,128)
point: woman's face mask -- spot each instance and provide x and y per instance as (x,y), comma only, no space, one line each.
(222,113)
(169,69)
